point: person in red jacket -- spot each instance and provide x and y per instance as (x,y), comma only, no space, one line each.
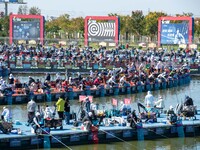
(97,81)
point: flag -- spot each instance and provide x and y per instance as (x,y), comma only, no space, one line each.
(114,102)
(82,98)
(127,101)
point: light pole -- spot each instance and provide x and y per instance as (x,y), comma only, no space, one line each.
(6,2)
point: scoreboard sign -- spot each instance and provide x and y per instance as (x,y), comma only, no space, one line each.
(101,29)
(174,33)
(175,30)
(26,27)
(26,30)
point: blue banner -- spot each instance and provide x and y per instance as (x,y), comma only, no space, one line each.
(175,33)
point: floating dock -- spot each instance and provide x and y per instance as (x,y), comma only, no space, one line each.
(71,135)
(101,91)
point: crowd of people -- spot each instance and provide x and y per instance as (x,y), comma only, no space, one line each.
(134,67)
(90,115)
(140,69)
(37,114)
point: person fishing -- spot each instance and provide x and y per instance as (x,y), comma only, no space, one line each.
(159,104)
(87,121)
(132,119)
(31,108)
(48,113)
(87,104)
(37,122)
(60,107)
(171,116)
(149,100)
(187,109)
(5,115)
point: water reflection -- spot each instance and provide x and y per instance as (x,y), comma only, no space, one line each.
(158,144)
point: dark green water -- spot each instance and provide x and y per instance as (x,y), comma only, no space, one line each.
(171,97)
(158,144)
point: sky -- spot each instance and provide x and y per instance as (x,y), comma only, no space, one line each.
(76,8)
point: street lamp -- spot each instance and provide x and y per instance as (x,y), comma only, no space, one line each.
(6,2)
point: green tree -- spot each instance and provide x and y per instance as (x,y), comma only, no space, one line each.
(125,29)
(23,10)
(113,14)
(124,25)
(4,26)
(51,28)
(34,11)
(152,23)
(58,26)
(197,27)
(137,23)
(189,14)
(77,25)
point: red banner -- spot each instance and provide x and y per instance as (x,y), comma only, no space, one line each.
(82,98)
(114,102)
(127,101)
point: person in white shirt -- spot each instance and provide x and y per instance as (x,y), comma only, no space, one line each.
(111,80)
(159,66)
(48,113)
(122,80)
(5,115)
(149,99)
(58,77)
(160,103)
(31,108)
(91,74)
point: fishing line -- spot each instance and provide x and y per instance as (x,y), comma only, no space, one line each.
(56,139)
(158,134)
(116,137)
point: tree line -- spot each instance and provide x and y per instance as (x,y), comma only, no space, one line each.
(64,27)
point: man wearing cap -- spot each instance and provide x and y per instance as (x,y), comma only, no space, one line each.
(36,122)
(171,116)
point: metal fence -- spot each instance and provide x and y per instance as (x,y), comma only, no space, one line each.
(132,42)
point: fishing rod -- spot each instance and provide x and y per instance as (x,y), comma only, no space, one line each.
(56,139)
